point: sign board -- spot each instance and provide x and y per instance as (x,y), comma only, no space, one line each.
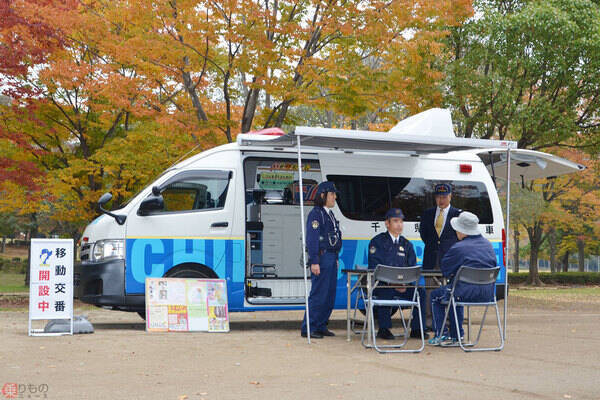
(50,282)
(186,305)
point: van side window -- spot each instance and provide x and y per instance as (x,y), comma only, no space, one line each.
(196,190)
(276,181)
(367,198)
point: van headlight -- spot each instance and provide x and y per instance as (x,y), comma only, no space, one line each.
(108,249)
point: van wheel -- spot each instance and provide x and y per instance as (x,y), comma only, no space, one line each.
(187,273)
(184,271)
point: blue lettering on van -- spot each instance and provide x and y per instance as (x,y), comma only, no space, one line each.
(153,257)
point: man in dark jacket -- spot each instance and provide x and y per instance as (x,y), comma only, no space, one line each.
(392,249)
(472,250)
(437,235)
(435,229)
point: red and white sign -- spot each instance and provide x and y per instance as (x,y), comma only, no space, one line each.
(50,280)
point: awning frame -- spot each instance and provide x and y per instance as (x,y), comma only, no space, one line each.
(386,139)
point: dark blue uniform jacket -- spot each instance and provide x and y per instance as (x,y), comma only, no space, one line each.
(322,234)
(383,251)
(473,251)
(436,247)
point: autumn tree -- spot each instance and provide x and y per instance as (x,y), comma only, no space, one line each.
(528,71)
(77,123)
(238,65)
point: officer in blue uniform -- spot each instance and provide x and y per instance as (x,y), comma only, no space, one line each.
(392,249)
(472,250)
(436,232)
(323,242)
(437,235)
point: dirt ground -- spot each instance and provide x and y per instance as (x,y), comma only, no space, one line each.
(552,352)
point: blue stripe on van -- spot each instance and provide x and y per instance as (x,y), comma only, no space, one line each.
(153,257)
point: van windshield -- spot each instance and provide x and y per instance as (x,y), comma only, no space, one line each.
(367,198)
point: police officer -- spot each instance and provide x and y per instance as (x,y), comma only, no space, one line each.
(392,249)
(323,242)
(437,234)
(472,250)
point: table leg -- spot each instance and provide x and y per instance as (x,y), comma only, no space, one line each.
(348,294)
(368,313)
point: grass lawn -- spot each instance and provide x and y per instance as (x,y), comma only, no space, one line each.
(11,282)
(586,294)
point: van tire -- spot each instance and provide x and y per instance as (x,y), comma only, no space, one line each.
(188,270)
(191,270)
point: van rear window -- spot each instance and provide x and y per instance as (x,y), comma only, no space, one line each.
(367,198)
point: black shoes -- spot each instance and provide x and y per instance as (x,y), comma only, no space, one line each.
(326,332)
(318,334)
(313,335)
(417,334)
(385,334)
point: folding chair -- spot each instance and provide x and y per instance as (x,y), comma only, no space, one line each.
(475,276)
(394,276)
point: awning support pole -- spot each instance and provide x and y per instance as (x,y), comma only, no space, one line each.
(493,170)
(301,196)
(507,241)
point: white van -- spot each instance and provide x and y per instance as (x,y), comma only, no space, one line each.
(233,212)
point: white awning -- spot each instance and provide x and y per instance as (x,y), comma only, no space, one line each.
(357,140)
(526,165)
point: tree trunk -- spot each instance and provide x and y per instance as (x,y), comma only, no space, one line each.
(552,243)
(516,240)
(282,114)
(536,239)
(581,254)
(565,262)
(3,244)
(33,232)
(249,109)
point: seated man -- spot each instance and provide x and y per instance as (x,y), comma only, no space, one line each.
(471,250)
(391,249)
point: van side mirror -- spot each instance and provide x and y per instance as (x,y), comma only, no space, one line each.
(105,198)
(152,203)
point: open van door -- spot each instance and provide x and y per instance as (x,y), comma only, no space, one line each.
(526,165)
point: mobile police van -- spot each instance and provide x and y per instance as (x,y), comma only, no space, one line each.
(233,212)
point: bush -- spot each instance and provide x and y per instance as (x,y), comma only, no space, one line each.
(16,266)
(558,278)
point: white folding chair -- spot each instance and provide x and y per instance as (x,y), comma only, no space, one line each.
(481,277)
(394,276)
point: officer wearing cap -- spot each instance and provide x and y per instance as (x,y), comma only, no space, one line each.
(472,250)
(392,249)
(323,242)
(437,235)
(435,229)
